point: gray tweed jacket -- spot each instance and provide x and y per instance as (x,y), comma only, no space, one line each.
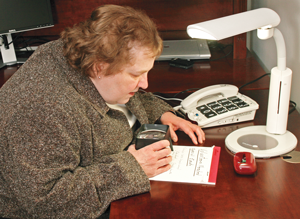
(61,148)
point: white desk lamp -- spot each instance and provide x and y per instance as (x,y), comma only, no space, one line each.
(273,139)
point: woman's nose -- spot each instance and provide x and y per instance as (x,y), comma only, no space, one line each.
(143,83)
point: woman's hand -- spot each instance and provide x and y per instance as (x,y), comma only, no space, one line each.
(176,123)
(154,158)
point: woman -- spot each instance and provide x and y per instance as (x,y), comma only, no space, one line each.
(69,113)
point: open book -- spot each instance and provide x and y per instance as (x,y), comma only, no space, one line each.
(192,164)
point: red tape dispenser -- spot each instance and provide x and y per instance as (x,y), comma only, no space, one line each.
(244,163)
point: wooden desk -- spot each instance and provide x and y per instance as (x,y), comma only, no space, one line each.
(272,193)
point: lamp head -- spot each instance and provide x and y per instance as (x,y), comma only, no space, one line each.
(232,25)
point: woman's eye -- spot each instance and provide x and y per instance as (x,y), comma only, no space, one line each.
(135,75)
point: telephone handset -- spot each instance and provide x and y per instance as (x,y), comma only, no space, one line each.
(218,105)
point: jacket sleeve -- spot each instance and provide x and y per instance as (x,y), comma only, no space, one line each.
(43,152)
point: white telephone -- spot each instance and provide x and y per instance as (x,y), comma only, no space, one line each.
(218,105)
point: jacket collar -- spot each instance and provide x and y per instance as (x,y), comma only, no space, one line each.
(81,83)
(85,87)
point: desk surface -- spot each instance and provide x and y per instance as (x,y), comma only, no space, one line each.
(272,193)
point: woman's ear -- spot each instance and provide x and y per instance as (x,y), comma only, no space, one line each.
(99,69)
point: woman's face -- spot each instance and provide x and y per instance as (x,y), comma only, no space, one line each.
(120,87)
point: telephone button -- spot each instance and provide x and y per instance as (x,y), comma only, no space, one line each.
(211,114)
(236,100)
(223,101)
(217,107)
(243,104)
(227,103)
(204,109)
(233,98)
(222,110)
(232,107)
(212,104)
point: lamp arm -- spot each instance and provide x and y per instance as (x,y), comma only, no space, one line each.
(267,32)
(281,50)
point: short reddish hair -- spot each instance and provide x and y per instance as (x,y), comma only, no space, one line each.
(107,36)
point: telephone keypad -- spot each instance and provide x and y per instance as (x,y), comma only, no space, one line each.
(221,106)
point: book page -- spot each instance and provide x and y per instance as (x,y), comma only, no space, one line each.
(190,164)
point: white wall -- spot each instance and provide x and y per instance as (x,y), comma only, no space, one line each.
(265,50)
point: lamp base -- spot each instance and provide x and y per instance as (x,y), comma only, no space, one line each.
(259,142)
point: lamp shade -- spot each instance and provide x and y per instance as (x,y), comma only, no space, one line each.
(232,25)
